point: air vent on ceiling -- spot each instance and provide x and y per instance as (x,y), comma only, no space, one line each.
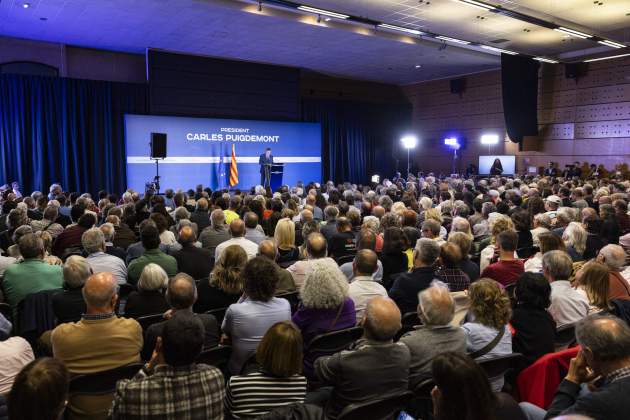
(499,41)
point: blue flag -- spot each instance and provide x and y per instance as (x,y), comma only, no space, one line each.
(221,171)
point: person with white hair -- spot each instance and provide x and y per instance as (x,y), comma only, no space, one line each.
(574,238)
(109,232)
(542,224)
(149,299)
(93,242)
(614,257)
(436,309)
(68,305)
(325,306)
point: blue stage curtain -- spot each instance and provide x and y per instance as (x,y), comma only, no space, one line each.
(65,130)
(357,138)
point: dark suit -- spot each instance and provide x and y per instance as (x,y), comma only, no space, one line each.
(116,252)
(262,161)
(145,303)
(202,218)
(68,305)
(406,286)
(196,262)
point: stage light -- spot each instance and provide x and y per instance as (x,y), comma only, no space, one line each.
(499,50)
(26,5)
(545,60)
(376,179)
(409,142)
(455,40)
(452,142)
(611,44)
(323,12)
(400,29)
(476,4)
(606,58)
(489,139)
(573,32)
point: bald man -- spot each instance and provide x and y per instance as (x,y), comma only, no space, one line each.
(363,287)
(315,249)
(237,233)
(192,259)
(388,362)
(100,340)
(268,249)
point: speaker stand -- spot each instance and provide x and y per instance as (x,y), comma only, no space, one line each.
(156,179)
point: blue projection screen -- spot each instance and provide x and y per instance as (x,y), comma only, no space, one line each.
(195,146)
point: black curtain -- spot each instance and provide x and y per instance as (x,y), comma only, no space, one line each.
(357,138)
(65,130)
(519,77)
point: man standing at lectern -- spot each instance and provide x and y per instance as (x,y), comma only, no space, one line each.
(265,159)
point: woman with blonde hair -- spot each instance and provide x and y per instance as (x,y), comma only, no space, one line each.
(487,333)
(284,237)
(325,305)
(574,238)
(593,280)
(498,224)
(277,382)
(224,286)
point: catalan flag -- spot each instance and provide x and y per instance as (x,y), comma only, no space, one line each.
(233,169)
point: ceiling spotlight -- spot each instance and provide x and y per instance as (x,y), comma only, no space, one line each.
(26,5)
(499,50)
(545,60)
(323,12)
(418,66)
(611,44)
(400,29)
(477,4)
(573,32)
(455,40)
(489,139)
(327,19)
(409,142)
(606,58)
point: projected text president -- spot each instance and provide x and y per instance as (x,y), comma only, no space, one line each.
(264,161)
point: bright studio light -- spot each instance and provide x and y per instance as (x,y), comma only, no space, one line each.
(452,142)
(489,139)
(409,142)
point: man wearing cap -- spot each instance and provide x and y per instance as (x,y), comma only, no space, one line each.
(551,205)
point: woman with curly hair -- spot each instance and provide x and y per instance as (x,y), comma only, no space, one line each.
(224,286)
(489,315)
(325,305)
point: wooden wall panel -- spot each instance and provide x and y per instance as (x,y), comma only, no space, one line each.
(587,120)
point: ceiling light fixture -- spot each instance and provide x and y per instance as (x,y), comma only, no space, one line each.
(573,32)
(546,60)
(26,5)
(611,44)
(499,50)
(606,58)
(323,12)
(418,66)
(400,29)
(455,40)
(476,4)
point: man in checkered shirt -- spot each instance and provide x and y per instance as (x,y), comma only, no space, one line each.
(171,386)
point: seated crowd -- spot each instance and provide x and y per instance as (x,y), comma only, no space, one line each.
(320,298)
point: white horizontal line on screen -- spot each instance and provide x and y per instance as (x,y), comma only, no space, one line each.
(226,159)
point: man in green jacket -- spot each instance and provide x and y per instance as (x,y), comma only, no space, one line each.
(31,275)
(150,237)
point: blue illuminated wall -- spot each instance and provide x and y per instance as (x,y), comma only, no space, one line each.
(195,146)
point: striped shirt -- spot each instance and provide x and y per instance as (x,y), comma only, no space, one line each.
(256,394)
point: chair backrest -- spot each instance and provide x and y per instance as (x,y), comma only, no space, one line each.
(385,408)
(293,298)
(148,320)
(565,337)
(35,315)
(335,341)
(421,404)
(218,313)
(102,382)
(216,356)
(498,365)
(5,309)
